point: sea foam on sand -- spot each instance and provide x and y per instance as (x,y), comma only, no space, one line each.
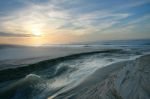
(123,80)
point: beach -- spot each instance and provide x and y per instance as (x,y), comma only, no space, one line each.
(85,72)
(74,49)
(124,80)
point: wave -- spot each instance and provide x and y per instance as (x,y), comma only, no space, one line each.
(27,88)
(46,78)
(16,73)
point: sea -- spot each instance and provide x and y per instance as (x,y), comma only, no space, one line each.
(39,72)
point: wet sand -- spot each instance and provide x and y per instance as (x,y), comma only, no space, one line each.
(123,80)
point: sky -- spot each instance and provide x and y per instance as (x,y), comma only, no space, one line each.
(37,22)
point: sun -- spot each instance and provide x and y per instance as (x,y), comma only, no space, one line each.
(36,32)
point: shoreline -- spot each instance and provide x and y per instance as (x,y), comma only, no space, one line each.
(103,76)
(109,82)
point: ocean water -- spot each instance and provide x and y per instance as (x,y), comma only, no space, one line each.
(46,71)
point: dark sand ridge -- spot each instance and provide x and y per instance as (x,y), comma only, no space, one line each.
(123,80)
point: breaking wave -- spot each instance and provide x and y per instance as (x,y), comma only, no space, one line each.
(46,78)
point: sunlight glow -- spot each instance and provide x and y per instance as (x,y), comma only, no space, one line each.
(36,32)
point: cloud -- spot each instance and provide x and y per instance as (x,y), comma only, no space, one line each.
(71,25)
(137,28)
(134,4)
(50,18)
(2,34)
(78,17)
(54,15)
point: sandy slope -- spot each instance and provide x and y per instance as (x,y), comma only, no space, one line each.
(124,80)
